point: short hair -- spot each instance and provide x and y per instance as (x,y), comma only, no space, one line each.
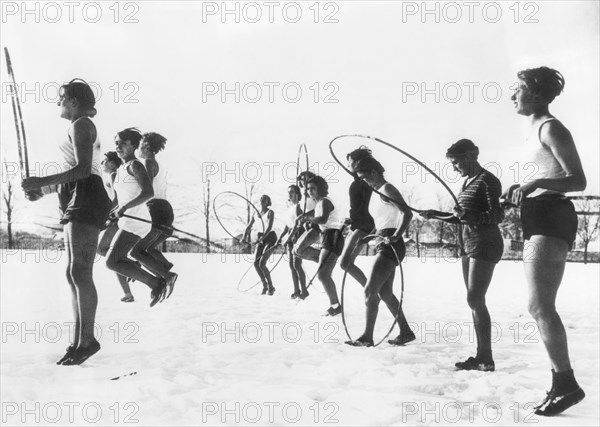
(368,164)
(359,153)
(80,90)
(296,190)
(155,141)
(543,81)
(112,156)
(266,198)
(461,148)
(131,134)
(322,186)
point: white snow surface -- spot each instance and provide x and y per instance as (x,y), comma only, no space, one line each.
(211,355)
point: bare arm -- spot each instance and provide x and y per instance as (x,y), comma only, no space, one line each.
(139,173)
(394,197)
(84,135)
(558,139)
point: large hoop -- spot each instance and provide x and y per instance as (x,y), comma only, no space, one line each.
(401,300)
(243,198)
(423,165)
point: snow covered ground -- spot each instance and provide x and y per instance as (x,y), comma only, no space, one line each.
(212,355)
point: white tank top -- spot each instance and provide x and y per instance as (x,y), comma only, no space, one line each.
(385,214)
(159,183)
(541,157)
(127,189)
(291,214)
(69,152)
(333,221)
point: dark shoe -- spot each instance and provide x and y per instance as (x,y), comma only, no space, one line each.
(474,364)
(554,403)
(68,354)
(128,298)
(303,295)
(271,290)
(403,339)
(170,284)
(158,294)
(264,291)
(295,295)
(333,311)
(81,354)
(360,342)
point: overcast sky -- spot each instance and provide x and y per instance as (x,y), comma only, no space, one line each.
(242,96)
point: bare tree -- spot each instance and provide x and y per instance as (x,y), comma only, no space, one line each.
(588,220)
(8,196)
(206,211)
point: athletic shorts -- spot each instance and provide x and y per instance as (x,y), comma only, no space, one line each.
(161,213)
(332,240)
(270,240)
(388,250)
(482,242)
(549,216)
(84,201)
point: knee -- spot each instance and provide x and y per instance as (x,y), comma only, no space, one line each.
(323,275)
(540,311)
(371,296)
(111,262)
(385,294)
(136,251)
(475,300)
(345,263)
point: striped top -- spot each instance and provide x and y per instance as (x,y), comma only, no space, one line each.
(481,197)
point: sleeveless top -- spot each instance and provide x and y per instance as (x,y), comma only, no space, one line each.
(261,219)
(159,182)
(542,158)
(127,189)
(333,220)
(69,151)
(291,214)
(385,214)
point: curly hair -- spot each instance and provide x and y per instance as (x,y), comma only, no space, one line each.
(155,141)
(368,164)
(461,148)
(322,186)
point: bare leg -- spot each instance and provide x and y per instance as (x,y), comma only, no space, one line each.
(265,270)
(302,247)
(327,262)
(544,259)
(478,276)
(118,261)
(349,254)
(145,252)
(83,244)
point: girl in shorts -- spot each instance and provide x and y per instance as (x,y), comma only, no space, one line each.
(133,187)
(146,250)
(84,205)
(479,214)
(293,230)
(265,245)
(391,216)
(332,241)
(549,223)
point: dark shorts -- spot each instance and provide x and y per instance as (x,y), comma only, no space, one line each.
(363,224)
(549,216)
(84,201)
(482,242)
(390,251)
(161,213)
(332,240)
(270,240)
